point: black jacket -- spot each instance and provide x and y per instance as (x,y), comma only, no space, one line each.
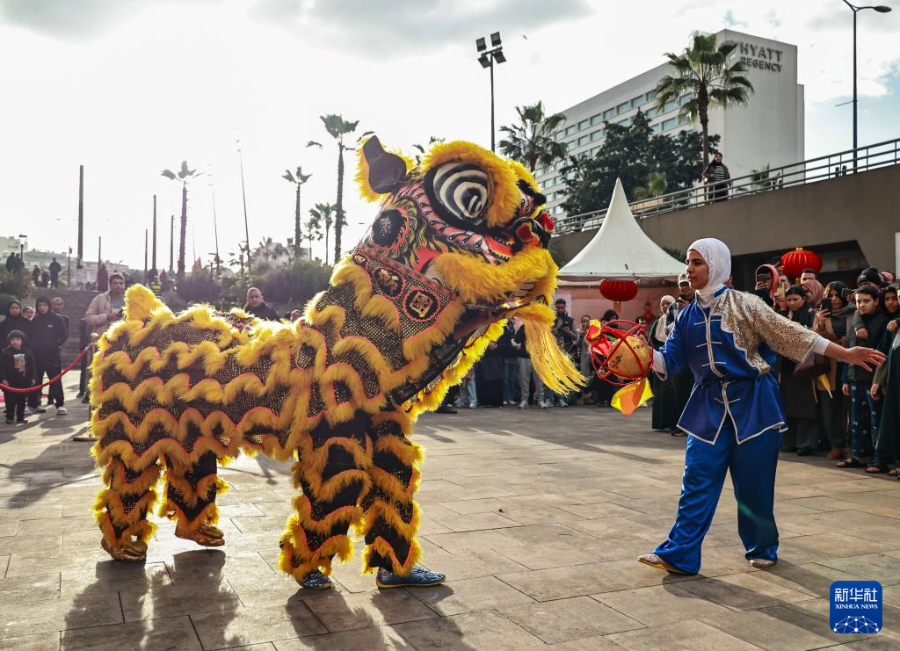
(48,333)
(9,375)
(11,323)
(264,311)
(876,325)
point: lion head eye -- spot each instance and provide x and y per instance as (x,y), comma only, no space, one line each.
(461,190)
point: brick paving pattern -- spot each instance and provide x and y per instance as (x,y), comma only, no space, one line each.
(536,517)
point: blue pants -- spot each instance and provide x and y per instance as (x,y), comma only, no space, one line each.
(864,415)
(752,465)
(511,381)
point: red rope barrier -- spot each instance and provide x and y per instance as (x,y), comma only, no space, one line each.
(50,381)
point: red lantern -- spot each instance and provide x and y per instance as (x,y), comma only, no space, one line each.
(618,290)
(794,262)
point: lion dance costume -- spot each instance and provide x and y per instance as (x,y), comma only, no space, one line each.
(459,243)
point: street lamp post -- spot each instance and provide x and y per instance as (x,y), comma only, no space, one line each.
(487,58)
(880,9)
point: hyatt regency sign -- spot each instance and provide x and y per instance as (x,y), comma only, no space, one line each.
(761,57)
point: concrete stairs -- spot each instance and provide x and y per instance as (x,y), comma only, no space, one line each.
(77,302)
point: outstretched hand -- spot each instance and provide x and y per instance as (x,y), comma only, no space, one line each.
(865,357)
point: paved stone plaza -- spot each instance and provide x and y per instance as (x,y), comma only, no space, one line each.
(537,518)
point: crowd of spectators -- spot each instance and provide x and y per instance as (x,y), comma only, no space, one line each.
(847,413)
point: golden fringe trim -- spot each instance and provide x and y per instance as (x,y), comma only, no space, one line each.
(479,282)
(452,375)
(124,450)
(383,548)
(142,530)
(554,367)
(385,511)
(111,502)
(393,487)
(302,520)
(114,476)
(209,515)
(401,447)
(188,493)
(339,546)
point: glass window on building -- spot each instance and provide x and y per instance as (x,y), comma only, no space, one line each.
(624,106)
(584,124)
(560,134)
(625,123)
(669,106)
(652,112)
(684,99)
(595,151)
(671,123)
(637,101)
(651,96)
(683,119)
(597,119)
(597,135)
(656,128)
(583,140)
(571,130)
(608,113)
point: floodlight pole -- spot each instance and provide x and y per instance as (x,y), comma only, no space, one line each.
(493,130)
(882,10)
(487,58)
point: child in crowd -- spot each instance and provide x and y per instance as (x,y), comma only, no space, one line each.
(886,388)
(864,411)
(16,370)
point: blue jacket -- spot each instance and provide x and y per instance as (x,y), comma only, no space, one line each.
(731,347)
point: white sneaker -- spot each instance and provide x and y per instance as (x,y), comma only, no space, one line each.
(39,410)
(523,405)
(61,411)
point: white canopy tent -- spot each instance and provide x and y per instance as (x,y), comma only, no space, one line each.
(620,250)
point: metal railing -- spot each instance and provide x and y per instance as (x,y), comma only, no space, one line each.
(882,154)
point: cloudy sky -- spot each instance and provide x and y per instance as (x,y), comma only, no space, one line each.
(130,87)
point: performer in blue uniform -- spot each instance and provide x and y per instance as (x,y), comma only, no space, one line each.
(734,418)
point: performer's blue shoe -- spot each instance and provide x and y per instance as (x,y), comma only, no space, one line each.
(419,577)
(316,580)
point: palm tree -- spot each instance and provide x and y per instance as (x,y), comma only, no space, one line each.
(656,186)
(324,215)
(313,231)
(532,142)
(432,140)
(183,176)
(337,127)
(298,178)
(703,73)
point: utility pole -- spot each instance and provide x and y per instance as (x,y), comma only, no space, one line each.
(154,235)
(244,196)
(172,244)
(80,213)
(99,251)
(146,237)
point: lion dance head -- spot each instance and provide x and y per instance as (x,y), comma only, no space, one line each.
(474,223)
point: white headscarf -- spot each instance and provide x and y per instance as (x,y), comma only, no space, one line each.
(661,331)
(718,259)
